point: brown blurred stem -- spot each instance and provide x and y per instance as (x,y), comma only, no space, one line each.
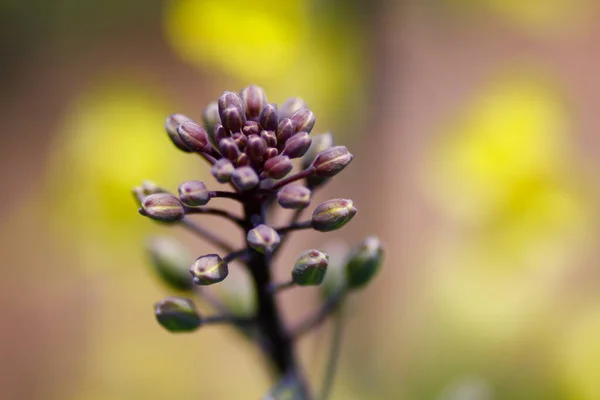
(332,304)
(215,211)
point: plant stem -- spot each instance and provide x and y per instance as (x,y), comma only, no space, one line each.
(332,304)
(334,354)
(207,235)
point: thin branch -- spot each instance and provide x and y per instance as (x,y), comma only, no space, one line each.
(332,303)
(296,226)
(279,287)
(293,220)
(215,211)
(227,195)
(334,355)
(235,254)
(293,178)
(207,235)
(228,319)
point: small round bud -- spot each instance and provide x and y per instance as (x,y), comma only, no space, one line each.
(162,207)
(170,260)
(171,124)
(251,128)
(229,99)
(255,148)
(222,170)
(229,148)
(319,143)
(263,239)
(269,117)
(177,314)
(244,178)
(304,119)
(294,196)
(211,116)
(193,136)
(332,214)
(240,140)
(194,193)
(271,152)
(285,130)
(220,133)
(297,145)
(269,137)
(233,119)
(310,268)
(330,162)
(254,99)
(277,167)
(144,190)
(291,106)
(364,262)
(243,160)
(209,269)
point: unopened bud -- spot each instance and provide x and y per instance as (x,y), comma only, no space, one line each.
(240,140)
(211,116)
(304,119)
(162,207)
(233,119)
(277,167)
(144,190)
(269,137)
(294,196)
(319,143)
(170,260)
(243,160)
(297,145)
(330,162)
(194,193)
(271,152)
(332,214)
(291,106)
(220,133)
(269,117)
(222,170)
(263,239)
(254,99)
(193,136)
(244,178)
(310,268)
(229,99)
(255,148)
(209,269)
(229,148)
(364,262)
(251,128)
(177,314)
(171,124)
(285,130)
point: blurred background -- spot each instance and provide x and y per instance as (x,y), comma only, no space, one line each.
(475,129)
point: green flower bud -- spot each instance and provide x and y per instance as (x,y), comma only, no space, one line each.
(277,167)
(244,178)
(171,124)
(330,162)
(332,214)
(162,207)
(263,239)
(304,119)
(364,262)
(193,136)
(294,196)
(177,314)
(297,145)
(222,170)
(254,99)
(319,143)
(211,117)
(170,260)
(310,268)
(233,119)
(269,117)
(255,148)
(194,193)
(291,106)
(209,269)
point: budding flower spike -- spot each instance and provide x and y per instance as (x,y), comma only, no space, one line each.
(250,144)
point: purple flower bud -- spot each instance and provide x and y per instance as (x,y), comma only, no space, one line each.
(162,207)
(230,99)
(144,190)
(269,137)
(269,117)
(330,162)
(297,145)
(304,119)
(240,140)
(244,178)
(255,148)
(193,136)
(310,268)
(319,143)
(177,314)
(333,214)
(233,119)
(222,170)
(364,262)
(171,124)
(290,106)
(285,130)
(243,160)
(194,193)
(209,269)
(220,133)
(263,239)
(229,148)
(277,167)
(271,152)
(294,196)
(211,116)
(251,128)
(254,99)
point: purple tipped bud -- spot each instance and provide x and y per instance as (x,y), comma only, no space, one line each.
(222,170)
(194,193)
(263,239)
(271,152)
(319,143)
(211,116)
(193,136)
(171,124)
(333,214)
(277,167)
(269,137)
(233,119)
(177,314)
(285,130)
(229,99)
(364,262)
(294,196)
(209,269)
(330,162)
(269,117)
(290,106)
(243,160)
(297,145)
(144,190)
(310,268)
(256,148)
(244,178)
(240,140)
(162,207)
(251,128)
(304,119)
(220,133)
(254,99)
(229,148)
